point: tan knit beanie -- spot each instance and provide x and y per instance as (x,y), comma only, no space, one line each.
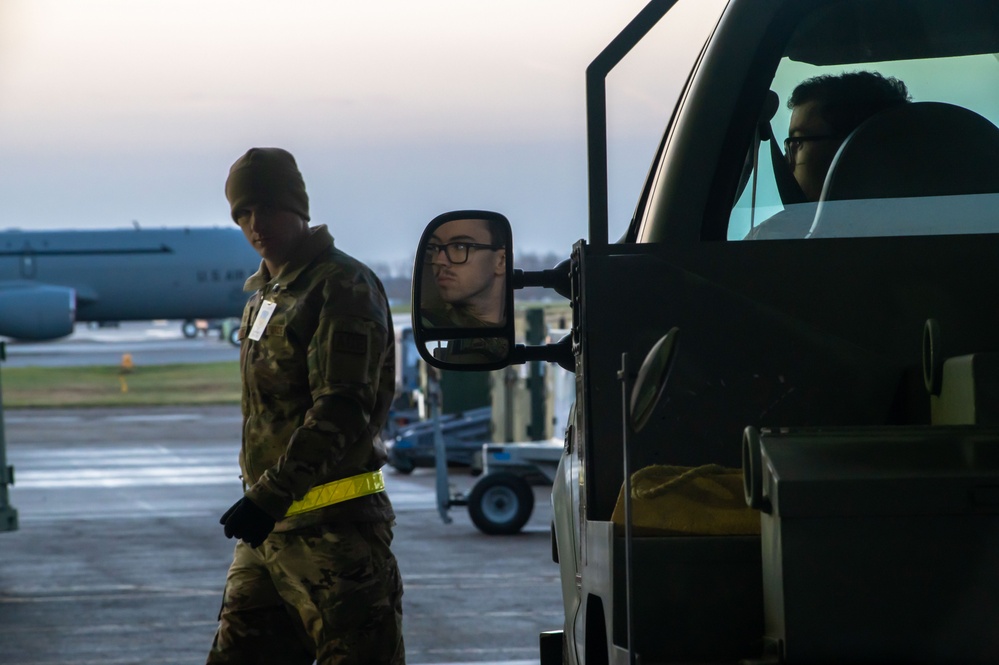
(267,176)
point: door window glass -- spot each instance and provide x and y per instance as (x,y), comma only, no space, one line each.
(641,96)
(894,146)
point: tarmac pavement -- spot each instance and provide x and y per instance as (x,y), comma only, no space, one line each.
(120,559)
(148,342)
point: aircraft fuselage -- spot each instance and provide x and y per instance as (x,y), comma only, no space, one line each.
(120,275)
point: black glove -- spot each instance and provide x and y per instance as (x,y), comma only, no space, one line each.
(247,521)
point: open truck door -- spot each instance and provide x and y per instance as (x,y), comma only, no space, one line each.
(864,450)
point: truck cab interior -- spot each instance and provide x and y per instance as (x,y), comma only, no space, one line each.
(942,144)
(820,322)
(808,316)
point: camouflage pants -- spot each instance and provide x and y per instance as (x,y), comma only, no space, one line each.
(330,593)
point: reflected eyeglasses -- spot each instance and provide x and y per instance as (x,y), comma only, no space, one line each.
(456,252)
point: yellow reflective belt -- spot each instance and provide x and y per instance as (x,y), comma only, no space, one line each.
(337,491)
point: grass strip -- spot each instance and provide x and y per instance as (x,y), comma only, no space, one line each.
(108,386)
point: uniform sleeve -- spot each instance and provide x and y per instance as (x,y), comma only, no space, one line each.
(345,359)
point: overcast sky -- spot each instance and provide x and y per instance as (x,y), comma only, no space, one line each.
(397,110)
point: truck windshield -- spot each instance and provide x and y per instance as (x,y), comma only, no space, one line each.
(882,148)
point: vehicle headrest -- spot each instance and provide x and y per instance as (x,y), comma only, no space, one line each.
(913,150)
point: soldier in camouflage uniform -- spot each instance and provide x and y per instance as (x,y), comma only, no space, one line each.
(313,576)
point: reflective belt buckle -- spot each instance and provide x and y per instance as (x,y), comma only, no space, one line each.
(338,491)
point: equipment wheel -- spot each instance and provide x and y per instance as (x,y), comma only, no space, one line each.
(500,504)
(234,336)
(189,329)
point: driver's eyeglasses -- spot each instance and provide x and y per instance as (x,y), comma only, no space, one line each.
(456,252)
(792,144)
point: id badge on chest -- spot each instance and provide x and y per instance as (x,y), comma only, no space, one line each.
(260,323)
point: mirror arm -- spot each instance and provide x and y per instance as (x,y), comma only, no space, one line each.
(559,353)
(556,278)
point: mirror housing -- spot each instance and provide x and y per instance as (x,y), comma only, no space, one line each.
(463,284)
(463,291)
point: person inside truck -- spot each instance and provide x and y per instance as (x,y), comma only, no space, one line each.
(824,111)
(468,260)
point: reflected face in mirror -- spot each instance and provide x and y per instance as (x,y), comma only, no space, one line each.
(468,261)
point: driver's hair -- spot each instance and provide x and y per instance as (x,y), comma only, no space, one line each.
(847,100)
(495,232)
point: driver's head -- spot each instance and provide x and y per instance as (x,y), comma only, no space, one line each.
(470,266)
(824,110)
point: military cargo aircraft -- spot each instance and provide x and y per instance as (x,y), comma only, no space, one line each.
(51,279)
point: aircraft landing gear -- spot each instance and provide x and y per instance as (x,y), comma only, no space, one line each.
(189,329)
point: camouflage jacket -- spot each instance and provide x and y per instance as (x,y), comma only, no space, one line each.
(317,385)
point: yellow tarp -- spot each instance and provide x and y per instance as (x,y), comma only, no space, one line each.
(689,501)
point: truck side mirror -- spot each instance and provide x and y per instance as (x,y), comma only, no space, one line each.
(463,291)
